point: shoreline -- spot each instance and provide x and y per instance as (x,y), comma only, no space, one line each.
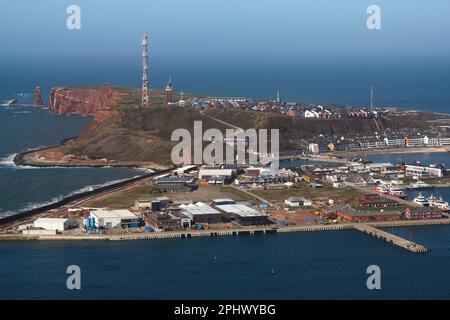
(387,151)
(343,156)
(20,159)
(186,234)
(79,197)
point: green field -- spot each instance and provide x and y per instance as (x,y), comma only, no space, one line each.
(243,196)
(125,199)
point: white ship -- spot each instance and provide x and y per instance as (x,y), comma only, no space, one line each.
(419,185)
(438,202)
(421,200)
(384,188)
(398,193)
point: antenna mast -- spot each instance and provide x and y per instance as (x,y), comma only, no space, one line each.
(145,102)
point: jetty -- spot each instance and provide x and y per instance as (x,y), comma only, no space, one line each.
(391,238)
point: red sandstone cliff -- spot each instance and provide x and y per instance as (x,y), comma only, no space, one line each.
(85,101)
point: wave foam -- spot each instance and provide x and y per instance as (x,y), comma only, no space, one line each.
(8,161)
(56,199)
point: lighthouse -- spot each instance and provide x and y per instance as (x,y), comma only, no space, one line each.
(169,92)
(278,98)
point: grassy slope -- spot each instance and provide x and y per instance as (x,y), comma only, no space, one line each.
(123,200)
(144,134)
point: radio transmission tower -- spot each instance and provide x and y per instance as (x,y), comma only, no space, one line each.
(145,102)
(371,98)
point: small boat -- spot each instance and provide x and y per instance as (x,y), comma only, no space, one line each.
(419,185)
(398,194)
(383,188)
(421,200)
(438,202)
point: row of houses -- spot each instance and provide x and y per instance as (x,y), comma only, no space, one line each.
(416,213)
(356,174)
(377,143)
(320,112)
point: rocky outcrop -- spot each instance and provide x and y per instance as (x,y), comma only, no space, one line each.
(96,102)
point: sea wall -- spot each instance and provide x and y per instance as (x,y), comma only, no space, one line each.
(78,196)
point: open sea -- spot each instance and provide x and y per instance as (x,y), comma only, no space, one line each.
(325,265)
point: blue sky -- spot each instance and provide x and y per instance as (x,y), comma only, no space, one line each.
(224,30)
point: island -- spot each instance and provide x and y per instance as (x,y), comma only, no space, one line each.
(335,188)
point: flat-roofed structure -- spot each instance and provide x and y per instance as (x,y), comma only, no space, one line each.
(174,184)
(164,221)
(112,218)
(243,214)
(207,173)
(143,203)
(423,171)
(201,213)
(217,202)
(56,224)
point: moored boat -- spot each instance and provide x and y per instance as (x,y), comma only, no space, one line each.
(419,185)
(421,200)
(438,202)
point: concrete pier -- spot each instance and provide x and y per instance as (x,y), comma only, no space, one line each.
(391,238)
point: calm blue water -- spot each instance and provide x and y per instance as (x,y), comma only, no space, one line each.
(299,163)
(425,158)
(437,192)
(326,265)
(26,187)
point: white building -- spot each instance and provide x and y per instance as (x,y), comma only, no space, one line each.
(112,218)
(314,148)
(243,214)
(185,169)
(444,141)
(297,202)
(207,173)
(201,213)
(377,166)
(311,114)
(57,224)
(423,172)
